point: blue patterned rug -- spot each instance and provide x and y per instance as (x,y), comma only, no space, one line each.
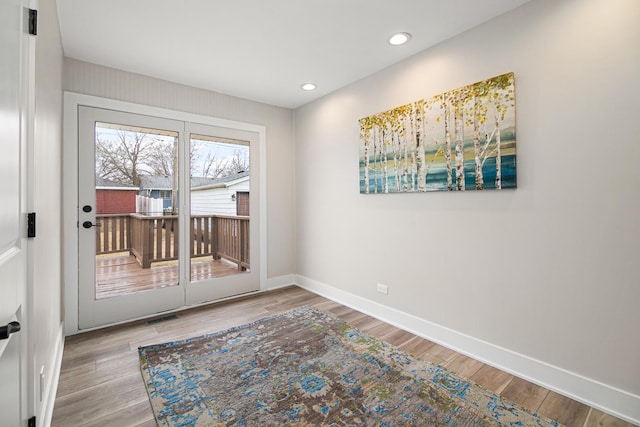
(308,368)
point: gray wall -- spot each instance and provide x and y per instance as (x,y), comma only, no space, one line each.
(549,271)
(96,80)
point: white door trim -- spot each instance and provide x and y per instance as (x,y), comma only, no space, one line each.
(70,184)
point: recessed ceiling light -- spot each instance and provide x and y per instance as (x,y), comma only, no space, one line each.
(399,38)
(309,86)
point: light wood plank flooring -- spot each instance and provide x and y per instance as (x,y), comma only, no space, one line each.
(101,385)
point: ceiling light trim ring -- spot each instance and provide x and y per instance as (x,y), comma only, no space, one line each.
(399,39)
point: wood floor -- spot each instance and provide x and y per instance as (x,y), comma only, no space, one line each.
(101,385)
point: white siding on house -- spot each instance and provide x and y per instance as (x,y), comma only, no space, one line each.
(214,201)
(207,201)
(242,186)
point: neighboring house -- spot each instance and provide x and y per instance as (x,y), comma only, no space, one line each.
(157,187)
(224,196)
(114,197)
(228,195)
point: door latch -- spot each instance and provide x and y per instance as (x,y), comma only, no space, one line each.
(89,224)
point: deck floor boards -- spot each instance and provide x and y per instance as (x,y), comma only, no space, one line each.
(122,274)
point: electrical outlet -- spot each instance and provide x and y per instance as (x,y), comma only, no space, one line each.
(383,289)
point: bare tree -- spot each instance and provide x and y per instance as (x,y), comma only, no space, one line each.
(212,167)
(132,154)
(163,159)
(129,155)
(238,162)
(124,158)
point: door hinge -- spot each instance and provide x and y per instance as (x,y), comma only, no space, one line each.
(32,422)
(31,224)
(33,22)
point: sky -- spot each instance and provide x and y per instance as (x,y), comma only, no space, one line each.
(223,151)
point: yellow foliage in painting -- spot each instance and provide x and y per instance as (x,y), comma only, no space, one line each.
(402,144)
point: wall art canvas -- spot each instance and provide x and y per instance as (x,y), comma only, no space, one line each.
(463,139)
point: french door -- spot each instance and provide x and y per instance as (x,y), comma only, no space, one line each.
(159,225)
(219,224)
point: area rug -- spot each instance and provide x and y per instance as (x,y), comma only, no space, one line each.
(308,368)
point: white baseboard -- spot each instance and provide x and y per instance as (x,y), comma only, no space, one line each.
(49,394)
(601,396)
(280,282)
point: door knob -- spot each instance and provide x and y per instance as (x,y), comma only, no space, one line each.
(8,329)
(89,224)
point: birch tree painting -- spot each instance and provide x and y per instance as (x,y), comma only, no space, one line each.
(464,139)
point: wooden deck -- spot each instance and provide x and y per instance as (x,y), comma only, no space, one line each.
(122,274)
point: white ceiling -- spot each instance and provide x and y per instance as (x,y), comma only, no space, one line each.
(262,50)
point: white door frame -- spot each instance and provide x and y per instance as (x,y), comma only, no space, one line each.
(70,185)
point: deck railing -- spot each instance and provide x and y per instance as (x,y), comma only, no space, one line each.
(154,238)
(114,233)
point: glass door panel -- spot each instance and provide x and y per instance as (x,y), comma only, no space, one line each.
(129,230)
(223,202)
(136,209)
(220,171)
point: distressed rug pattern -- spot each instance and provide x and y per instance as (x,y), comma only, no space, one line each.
(308,368)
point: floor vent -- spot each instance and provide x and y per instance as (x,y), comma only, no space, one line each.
(161,319)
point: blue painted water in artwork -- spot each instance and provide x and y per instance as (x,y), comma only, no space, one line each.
(436,177)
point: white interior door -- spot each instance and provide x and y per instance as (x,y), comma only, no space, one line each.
(129,255)
(12,243)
